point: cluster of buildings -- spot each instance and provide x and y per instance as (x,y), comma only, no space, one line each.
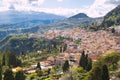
(93,43)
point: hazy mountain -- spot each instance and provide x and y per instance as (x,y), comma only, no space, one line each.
(13,16)
(80,15)
(81,20)
(111,18)
(63,24)
(12,19)
(13,22)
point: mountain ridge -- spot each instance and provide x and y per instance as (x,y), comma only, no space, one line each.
(80,15)
(13,16)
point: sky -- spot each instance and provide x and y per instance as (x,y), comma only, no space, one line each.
(93,8)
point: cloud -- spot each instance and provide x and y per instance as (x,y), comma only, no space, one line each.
(97,9)
(58,11)
(116,2)
(101,7)
(21,3)
(59,0)
(35,5)
(37,2)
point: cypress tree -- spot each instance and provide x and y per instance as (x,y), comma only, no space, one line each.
(3,60)
(7,56)
(0,72)
(38,65)
(65,66)
(82,60)
(105,73)
(9,59)
(86,61)
(8,75)
(89,64)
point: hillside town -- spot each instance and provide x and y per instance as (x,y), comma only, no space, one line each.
(93,43)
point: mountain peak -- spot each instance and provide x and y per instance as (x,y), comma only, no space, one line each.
(80,15)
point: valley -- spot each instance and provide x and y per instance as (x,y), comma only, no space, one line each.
(45,46)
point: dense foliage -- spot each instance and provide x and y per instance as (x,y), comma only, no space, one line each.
(99,72)
(20,75)
(22,44)
(8,75)
(9,59)
(85,62)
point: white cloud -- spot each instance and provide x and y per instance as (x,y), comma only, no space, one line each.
(57,11)
(59,0)
(20,3)
(37,2)
(100,8)
(34,5)
(97,9)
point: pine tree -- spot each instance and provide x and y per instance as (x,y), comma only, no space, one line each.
(105,73)
(8,75)
(38,65)
(65,66)
(19,75)
(82,60)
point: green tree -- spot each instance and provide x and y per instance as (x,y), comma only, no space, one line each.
(9,59)
(95,74)
(8,75)
(112,59)
(38,65)
(105,73)
(3,60)
(85,61)
(19,75)
(0,72)
(99,71)
(82,62)
(65,66)
(89,64)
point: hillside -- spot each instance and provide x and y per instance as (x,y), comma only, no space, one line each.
(24,44)
(111,18)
